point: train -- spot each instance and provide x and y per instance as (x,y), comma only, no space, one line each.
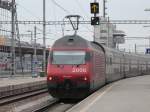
(77,67)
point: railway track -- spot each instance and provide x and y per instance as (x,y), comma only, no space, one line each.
(56,106)
(50,105)
(15,98)
(45,107)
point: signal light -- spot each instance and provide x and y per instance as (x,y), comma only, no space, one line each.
(94,8)
(95,20)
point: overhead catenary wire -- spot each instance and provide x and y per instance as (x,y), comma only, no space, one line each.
(58,5)
(85,12)
(66,11)
(47,34)
(55,17)
(28,11)
(82,9)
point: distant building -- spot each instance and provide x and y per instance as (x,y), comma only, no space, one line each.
(108,35)
(27,56)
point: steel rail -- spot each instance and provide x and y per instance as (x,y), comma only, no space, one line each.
(47,106)
(55,104)
(12,99)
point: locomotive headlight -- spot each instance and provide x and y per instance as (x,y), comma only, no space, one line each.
(50,78)
(85,78)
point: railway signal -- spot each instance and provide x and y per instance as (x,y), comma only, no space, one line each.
(94,20)
(94,8)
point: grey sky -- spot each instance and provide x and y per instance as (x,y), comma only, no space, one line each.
(117,10)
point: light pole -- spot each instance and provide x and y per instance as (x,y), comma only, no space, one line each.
(34,62)
(13,11)
(108,26)
(31,36)
(44,38)
(104,8)
(147,9)
(32,46)
(35,57)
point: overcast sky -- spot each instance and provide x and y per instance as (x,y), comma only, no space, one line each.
(117,10)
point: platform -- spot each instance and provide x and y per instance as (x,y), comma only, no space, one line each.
(17,85)
(128,95)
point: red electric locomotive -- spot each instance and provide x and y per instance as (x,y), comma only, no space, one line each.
(76,67)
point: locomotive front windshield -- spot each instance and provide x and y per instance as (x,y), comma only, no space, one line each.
(68,57)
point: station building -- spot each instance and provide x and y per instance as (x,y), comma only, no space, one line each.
(107,34)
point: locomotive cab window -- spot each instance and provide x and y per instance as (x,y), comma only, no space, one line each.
(68,57)
(88,56)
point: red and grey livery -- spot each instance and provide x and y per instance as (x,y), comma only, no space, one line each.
(77,67)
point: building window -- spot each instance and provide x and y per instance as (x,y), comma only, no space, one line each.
(104,38)
(103,31)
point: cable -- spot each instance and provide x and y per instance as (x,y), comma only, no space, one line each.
(82,9)
(39,29)
(47,34)
(85,12)
(55,17)
(5,30)
(28,11)
(60,6)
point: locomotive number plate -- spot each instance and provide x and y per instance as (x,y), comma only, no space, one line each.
(79,70)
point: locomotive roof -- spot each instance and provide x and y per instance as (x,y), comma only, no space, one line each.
(71,42)
(77,42)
